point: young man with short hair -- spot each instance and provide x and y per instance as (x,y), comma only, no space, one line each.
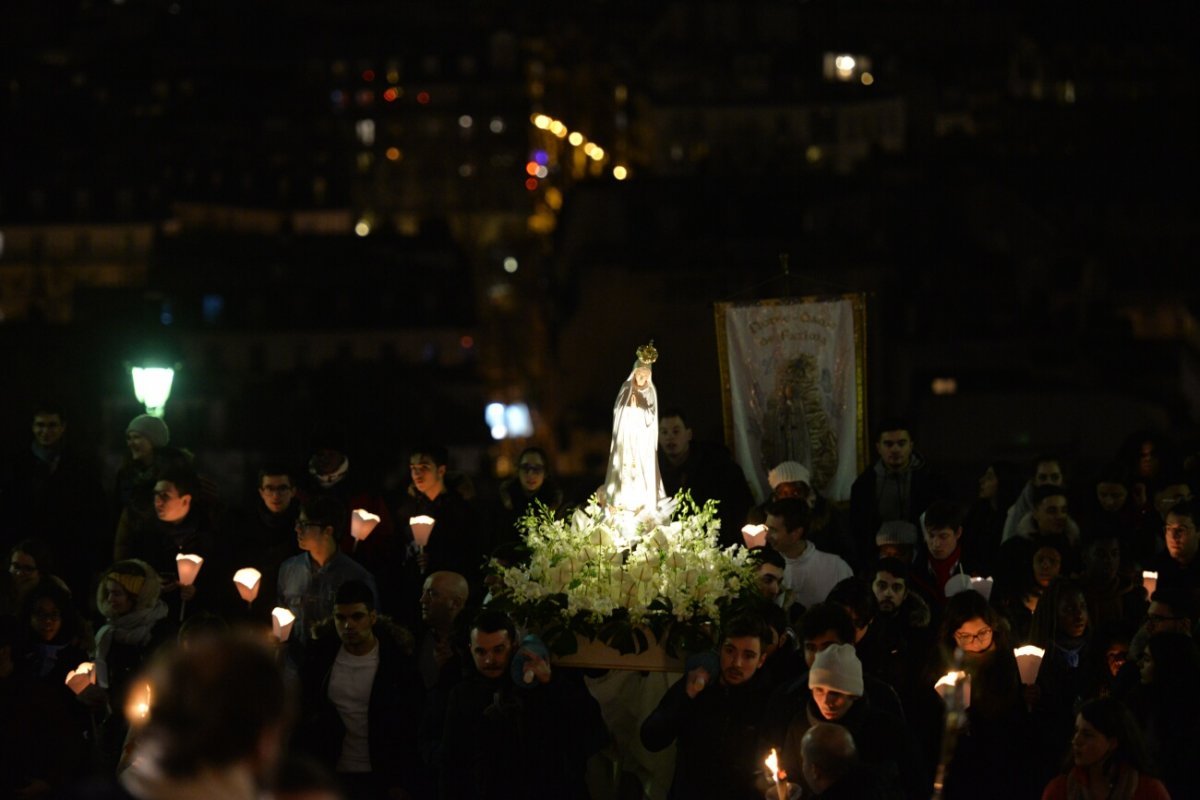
(308,582)
(712,714)
(899,485)
(809,573)
(362,697)
(1178,566)
(509,733)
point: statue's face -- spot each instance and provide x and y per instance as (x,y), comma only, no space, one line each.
(641,377)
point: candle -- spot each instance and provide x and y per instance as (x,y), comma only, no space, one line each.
(772,762)
(81,677)
(362,522)
(1150,581)
(1029,661)
(188,565)
(754,535)
(281,623)
(983,586)
(421,526)
(137,705)
(247,580)
(949,685)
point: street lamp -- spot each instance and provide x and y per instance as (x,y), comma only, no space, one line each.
(152,387)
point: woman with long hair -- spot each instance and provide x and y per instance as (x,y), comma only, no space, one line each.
(1108,759)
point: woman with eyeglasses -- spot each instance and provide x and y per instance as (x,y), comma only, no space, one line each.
(532,484)
(1108,759)
(991,756)
(56,639)
(29,562)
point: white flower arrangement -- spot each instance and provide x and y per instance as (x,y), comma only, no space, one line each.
(614,577)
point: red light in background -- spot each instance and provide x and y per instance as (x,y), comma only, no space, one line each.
(390,95)
(531,168)
(467,342)
(531,184)
(368,75)
(423,98)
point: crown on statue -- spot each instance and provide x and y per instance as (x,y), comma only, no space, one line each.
(647,354)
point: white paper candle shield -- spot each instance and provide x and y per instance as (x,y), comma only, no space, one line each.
(1029,661)
(81,677)
(281,623)
(421,526)
(1150,581)
(754,535)
(362,522)
(983,586)
(247,580)
(188,566)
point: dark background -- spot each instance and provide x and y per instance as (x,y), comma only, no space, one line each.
(1013,186)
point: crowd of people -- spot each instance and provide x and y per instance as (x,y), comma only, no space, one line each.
(398,678)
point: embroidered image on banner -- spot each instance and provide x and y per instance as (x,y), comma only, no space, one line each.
(792,372)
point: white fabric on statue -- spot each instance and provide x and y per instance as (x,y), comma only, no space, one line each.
(626,698)
(633,483)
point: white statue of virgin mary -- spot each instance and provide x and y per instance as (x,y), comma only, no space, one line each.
(633,484)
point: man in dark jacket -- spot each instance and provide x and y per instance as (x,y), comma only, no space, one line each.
(714,719)
(706,470)
(362,697)
(900,485)
(523,732)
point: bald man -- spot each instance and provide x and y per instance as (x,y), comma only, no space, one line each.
(443,598)
(829,761)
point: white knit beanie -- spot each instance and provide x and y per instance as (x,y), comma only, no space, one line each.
(837,668)
(789,472)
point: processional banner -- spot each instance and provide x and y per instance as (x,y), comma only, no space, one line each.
(793,376)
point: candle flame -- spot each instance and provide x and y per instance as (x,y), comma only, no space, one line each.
(1149,574)
(772,762)
(1029,650)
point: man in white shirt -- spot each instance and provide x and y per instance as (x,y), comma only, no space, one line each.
(361,697)
(809,574)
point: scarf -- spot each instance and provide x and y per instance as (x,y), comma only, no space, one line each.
(45,656)
(1123,786)
(133,628)
(1070,649)
(50,456)
(943,568)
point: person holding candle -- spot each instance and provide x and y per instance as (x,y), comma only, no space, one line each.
(455,543)
(308,582)
(263,535)
(136,623)
(837,695)
(42,746)
(1107,759)
(975,638)
(184,523)
(1178,566)
(712,715)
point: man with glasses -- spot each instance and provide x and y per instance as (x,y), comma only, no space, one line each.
(308,582)
(264,534)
